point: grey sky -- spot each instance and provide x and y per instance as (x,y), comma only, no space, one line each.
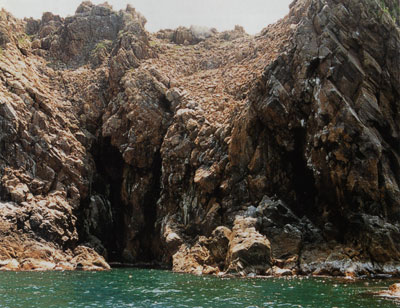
(253,15)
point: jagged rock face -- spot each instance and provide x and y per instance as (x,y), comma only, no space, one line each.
(339,126)
(275,154)
(90,34)
(320,133)
(249,251)
(50,127)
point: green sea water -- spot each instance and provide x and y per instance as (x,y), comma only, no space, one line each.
(156,288)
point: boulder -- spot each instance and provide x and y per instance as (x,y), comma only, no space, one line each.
(249,251)
(193,259)
(392,292)
(87,259)
(273,153)
(218,244)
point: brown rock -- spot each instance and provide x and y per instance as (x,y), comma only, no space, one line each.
(392,292)
(37,265)
(249,251)
(87,259)
(206,179)
(192,260)
(116,140)
(281,272)
(10,265)
(218,244)
(395,288)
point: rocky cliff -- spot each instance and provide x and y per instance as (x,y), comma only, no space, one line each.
(201,151)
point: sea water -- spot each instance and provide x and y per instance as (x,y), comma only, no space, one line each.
(156,288)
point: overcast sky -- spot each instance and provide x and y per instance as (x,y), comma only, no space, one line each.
(253,15)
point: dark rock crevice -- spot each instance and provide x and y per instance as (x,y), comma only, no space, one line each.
(303,179)
(118,221)
(156,150)
(101,220)
(148,236)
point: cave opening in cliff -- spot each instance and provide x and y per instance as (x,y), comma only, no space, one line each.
(117,220)
(303,178)
(148,237)
(165,104)
(101,224)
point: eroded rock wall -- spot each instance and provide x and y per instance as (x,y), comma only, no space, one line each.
(314,155)
(61,172)
(335,120)
(274,154)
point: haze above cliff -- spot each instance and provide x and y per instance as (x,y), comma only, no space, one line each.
(221,14)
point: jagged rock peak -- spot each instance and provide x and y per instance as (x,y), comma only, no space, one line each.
(76,39)
(269,154)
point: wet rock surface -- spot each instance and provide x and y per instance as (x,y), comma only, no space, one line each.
(206,152)
(392,292)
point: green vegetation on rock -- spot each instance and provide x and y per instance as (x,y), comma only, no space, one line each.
(105,44)
(153,43)
(391,7)
(23,40)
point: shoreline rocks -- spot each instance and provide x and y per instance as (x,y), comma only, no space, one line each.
(209,153)
(393,292)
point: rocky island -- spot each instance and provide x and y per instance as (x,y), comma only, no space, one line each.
(201,151)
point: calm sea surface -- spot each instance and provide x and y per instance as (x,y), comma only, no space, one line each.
(155,288)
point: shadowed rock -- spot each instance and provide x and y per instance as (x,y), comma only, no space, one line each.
(202,151)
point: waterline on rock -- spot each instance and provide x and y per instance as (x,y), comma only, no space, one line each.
(156,288)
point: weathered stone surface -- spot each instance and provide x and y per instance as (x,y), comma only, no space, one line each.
(218,245)
(392,292)
(193,260)
(117,142)
(191,36)
(249,251)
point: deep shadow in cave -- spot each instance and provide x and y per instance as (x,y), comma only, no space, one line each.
(106,184)
(149,242)
(307,194)
(303,179)
(111,220)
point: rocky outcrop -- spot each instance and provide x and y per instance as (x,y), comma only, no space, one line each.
(242,250)
(188,36)
(339,151)
(249,251)
(206,152)
(393,292)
